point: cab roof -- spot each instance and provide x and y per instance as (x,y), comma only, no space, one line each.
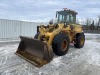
(67,11)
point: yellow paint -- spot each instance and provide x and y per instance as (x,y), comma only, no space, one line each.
(70,32)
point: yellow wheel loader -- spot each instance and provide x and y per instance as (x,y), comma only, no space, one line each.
(54,38)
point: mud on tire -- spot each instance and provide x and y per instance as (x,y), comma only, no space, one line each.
(60,44)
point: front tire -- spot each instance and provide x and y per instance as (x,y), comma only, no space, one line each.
(60,44)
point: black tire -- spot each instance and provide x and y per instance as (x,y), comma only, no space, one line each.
(58,42)
(78,43)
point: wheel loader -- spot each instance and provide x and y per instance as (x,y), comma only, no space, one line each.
(52,39)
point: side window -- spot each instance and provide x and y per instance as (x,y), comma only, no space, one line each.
(61,18)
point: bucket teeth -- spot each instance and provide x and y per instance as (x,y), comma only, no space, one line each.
(34,51)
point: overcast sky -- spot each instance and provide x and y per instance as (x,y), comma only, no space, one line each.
(44,10)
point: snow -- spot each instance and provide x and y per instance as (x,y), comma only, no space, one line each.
(84,61)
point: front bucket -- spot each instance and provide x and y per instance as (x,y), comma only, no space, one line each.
(35,51)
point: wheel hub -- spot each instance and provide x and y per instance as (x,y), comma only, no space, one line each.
(82,41)
(64,45)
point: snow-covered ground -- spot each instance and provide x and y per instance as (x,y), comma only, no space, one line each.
(85,61)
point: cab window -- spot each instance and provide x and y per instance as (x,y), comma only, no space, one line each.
(71,18)
(60,18)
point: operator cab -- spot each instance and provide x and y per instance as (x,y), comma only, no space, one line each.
(66,16)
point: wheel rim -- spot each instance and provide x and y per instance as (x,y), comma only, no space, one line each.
(82,41)
(64,45)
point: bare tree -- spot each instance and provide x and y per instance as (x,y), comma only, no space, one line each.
(98,22)
(92,25)
(88,23)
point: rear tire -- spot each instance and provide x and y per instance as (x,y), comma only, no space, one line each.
(60,44)
(80,40)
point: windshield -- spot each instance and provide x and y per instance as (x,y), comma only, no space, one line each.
(68,18)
